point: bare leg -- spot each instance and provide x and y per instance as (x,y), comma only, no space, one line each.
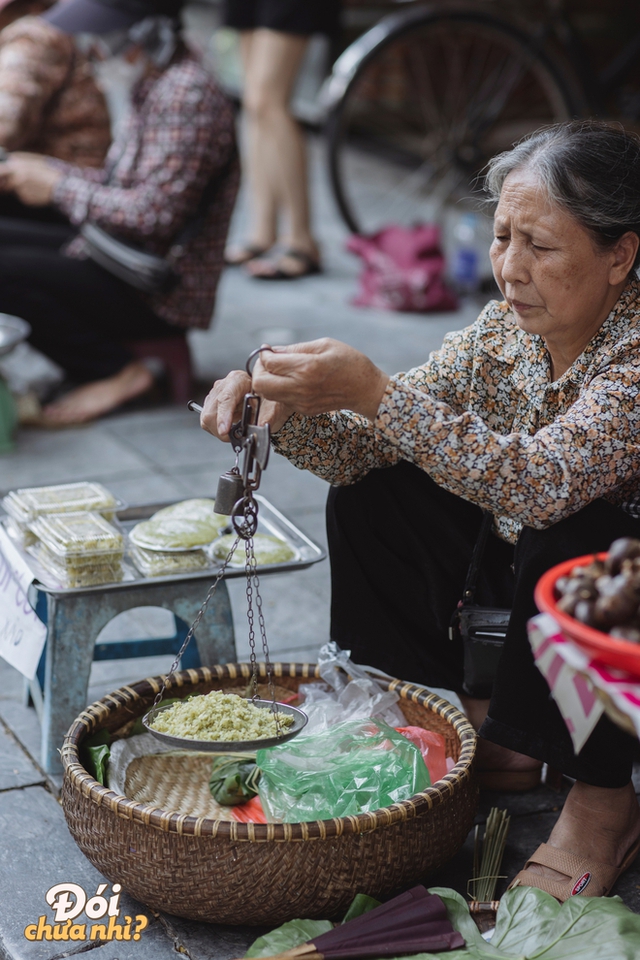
(596,822)
(263,185)
(95,399)
(277,151)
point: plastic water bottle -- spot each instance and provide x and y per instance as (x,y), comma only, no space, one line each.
(465,265)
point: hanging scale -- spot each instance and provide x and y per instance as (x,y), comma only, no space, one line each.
(235,498)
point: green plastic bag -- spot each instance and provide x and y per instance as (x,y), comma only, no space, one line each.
(351,768)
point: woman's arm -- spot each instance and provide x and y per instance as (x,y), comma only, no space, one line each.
(35,60)
(534,479)
(187,135)
(303,380)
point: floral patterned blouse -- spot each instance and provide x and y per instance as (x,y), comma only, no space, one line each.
(484,420)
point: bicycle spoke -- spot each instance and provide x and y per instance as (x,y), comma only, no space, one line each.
(430,107)
(426,94)
(488,104)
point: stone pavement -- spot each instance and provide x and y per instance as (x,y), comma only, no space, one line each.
(147,455)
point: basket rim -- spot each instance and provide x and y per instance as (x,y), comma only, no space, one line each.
(96,713)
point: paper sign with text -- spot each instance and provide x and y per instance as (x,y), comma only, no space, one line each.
(22,633)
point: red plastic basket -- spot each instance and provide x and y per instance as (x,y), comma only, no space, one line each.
(620,654)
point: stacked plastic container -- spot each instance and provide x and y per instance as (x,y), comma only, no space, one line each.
(67,528)
(79,549)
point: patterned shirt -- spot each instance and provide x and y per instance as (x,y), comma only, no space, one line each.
(483,418)
(49,100)
(180,133)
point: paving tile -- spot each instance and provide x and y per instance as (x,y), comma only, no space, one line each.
(11,682)
(308,627)
(145,487)
(23,724)
(43,853)
(170,443)
(59,456)
(16,768)
(210,941)
(139,623)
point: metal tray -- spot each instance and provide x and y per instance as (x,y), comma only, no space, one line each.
(270,520)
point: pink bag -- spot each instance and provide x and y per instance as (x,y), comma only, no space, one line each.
(403,270)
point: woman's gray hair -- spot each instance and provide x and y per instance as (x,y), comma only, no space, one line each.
(589,167)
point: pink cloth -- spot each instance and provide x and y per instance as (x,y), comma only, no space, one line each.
(403,270)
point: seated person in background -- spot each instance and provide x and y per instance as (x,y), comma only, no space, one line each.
(50,102)
(179,138)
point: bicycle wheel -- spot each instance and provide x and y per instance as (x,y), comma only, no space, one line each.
(419,103)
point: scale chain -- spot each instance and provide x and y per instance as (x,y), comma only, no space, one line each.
(194,625)
(253,585)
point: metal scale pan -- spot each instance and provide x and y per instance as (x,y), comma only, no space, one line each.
(230,746)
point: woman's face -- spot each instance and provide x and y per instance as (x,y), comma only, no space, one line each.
(557,282)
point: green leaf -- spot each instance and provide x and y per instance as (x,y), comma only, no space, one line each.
(96,762)
(95,754)
(233,781)
(289,935)
(361,904)
(531,925)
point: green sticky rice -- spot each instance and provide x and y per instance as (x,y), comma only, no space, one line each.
(267,549)
(220,717)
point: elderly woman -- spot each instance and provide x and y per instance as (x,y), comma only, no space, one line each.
(532,414)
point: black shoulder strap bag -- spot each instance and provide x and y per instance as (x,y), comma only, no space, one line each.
(482,629)
(145,271)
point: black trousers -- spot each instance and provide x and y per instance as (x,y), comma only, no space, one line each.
(400,548)
(81,316)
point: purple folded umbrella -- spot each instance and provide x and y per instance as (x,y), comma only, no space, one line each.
(414,922)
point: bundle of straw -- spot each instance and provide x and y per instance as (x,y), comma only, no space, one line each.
(414,922)
(487,856)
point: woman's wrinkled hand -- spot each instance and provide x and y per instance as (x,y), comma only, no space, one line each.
(319,377)
(307,378)
(31,177)
(224,403)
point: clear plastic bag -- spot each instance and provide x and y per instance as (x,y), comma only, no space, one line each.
(339,699)
(352,768)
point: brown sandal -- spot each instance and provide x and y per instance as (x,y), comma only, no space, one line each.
(583,877)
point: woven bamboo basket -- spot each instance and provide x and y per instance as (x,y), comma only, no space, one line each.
(204,868)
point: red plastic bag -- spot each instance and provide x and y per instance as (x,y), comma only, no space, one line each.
(249,812)
(403,269)
(432,747)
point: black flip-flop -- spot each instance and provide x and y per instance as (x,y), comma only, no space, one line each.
(311,267)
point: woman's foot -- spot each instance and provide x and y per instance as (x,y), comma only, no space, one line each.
(499,768)
(95,399)
(290,264)
(597,826)
(239,254)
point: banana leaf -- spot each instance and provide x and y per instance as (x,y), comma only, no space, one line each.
(530,925)
(95,754)
(233,782)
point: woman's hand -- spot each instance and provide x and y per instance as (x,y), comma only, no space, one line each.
(308,378)
(319,377)
(31,177)
(224,403)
